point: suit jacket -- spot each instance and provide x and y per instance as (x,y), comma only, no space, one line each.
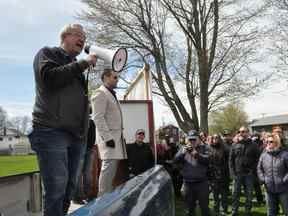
(108,119)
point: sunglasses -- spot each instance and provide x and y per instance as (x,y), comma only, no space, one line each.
(141,134)
(242,131)
(270,141)
(192,140)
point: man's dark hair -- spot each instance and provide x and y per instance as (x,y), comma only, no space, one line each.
(107,73)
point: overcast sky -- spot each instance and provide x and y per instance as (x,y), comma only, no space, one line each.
(28,25)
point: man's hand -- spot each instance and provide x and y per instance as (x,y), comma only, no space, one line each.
(91,59)
(194,153)
(110,143)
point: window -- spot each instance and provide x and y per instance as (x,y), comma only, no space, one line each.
(1,139)
(175,131)
(10,138)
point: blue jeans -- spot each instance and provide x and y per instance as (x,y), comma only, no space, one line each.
(84,192)
(248,182)
(273,201)
(60,155)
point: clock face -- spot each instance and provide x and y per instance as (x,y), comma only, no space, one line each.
(119,60)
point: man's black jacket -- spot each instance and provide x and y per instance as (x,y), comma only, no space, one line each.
(243,158)
(61,92)
(140,158)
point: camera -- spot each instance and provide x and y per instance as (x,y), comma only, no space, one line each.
(189,148)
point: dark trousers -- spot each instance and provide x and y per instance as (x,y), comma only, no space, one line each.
(273,201)
(248,182)
(60,155)
(226,193)
(84,186)
(219,192)
(258,191)
(194,192)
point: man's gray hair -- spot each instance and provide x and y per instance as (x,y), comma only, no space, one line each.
(68,29)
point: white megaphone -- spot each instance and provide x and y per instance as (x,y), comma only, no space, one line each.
(117,58)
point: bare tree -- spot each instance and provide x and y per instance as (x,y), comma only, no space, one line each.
(201,50)
(20,123)
(278,31)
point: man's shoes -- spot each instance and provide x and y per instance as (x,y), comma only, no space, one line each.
(79,202)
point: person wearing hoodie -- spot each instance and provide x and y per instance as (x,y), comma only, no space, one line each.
(218,163)
(272,170)
(194,161)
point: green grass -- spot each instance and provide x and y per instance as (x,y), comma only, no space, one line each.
(257,210)
(13,165)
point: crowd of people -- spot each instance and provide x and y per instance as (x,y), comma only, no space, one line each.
(62,138)
(223,164)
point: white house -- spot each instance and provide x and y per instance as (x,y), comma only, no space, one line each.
(13,142)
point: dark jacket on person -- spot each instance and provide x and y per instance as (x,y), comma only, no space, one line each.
(218,163)
(193,170)
(61,92)
(243,158)
(272,170)
(140,158)
(91,135)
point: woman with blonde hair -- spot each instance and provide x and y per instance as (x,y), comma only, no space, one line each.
(272,170)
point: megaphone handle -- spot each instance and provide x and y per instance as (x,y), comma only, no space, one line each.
(87,80)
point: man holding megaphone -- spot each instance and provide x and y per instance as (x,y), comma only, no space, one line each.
(60,117)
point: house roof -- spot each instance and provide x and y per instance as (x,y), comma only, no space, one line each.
(10,132)
(270,120)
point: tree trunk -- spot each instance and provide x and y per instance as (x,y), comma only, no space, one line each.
(204,81)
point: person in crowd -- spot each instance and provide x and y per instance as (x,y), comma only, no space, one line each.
(193,161)
(165,155)
(257,187)
(272,170)
(227,138)
(108,119)
(140,156)
(218,163)
(60,117)
(227,141)
(263,137)
(162,149)
(177,179)
(243,161)
(256,138)
(209,140)
(278,130)
(236,138)
(85,183)
(203,137)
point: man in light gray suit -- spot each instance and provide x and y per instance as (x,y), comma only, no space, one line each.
(107,116)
